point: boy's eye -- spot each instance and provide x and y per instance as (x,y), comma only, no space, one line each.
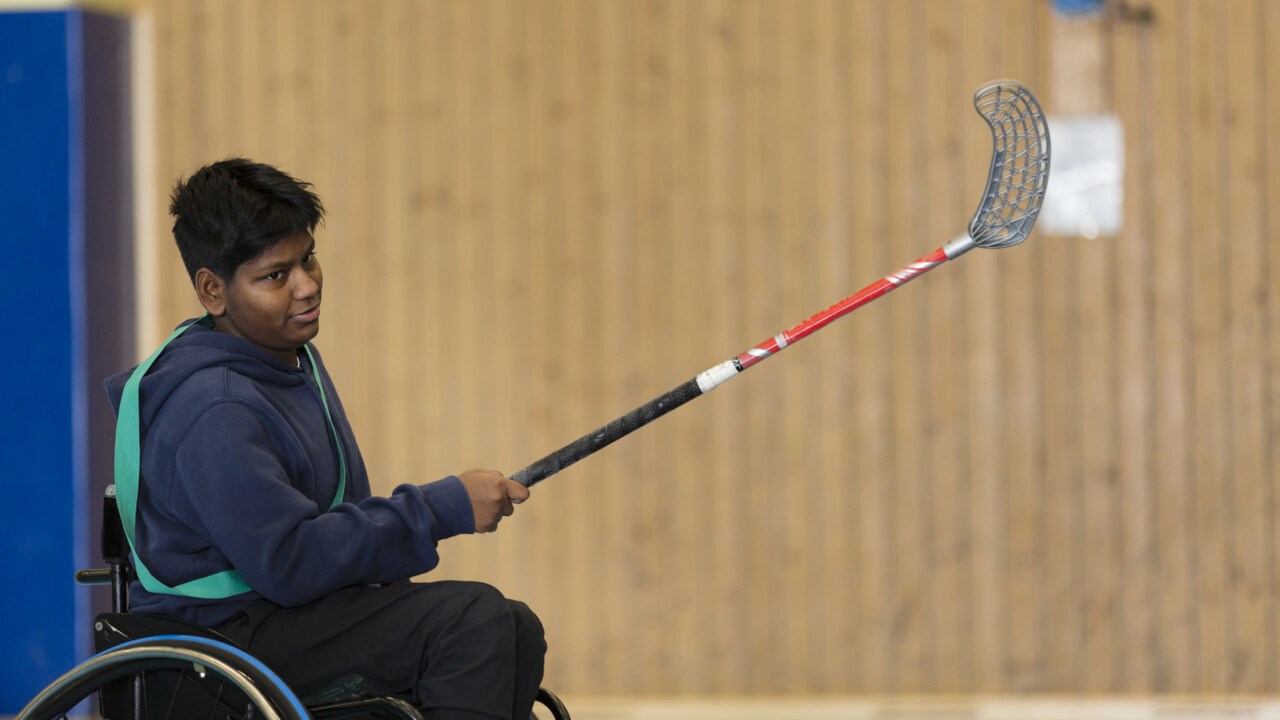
(275,275)
(306,259)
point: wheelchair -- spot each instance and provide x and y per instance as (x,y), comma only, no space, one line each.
(150,667)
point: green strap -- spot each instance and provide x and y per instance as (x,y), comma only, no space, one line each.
(128,460)
(342,459)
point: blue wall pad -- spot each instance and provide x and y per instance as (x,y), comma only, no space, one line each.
(65,196)
(1080,7)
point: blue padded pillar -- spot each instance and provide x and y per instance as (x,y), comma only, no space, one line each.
(67,301)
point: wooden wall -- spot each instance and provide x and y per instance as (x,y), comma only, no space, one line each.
(1045,469)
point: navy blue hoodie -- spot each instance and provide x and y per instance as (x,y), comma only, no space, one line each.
(238,470)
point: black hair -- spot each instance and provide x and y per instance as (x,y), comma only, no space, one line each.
(230,212)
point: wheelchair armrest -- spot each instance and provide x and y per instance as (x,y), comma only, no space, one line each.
(96,576)
(553,703)
(115,545)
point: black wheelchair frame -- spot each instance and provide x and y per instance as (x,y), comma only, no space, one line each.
(149,667)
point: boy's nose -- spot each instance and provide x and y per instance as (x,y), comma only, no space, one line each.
(305,286)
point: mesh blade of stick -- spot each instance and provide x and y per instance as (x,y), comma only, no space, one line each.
(1019,165)
(1009,206)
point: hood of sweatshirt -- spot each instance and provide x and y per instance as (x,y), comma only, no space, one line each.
(200,348)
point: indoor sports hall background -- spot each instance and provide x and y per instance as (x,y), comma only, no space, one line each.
(1047,471)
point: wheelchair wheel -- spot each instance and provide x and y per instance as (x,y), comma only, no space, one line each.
(265,696)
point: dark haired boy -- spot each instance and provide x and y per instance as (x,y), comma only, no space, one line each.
(250,501)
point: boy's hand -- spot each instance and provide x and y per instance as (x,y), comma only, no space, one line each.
(493,497)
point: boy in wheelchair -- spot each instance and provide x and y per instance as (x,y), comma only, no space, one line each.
(247,503)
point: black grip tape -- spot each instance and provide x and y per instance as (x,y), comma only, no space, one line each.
(623,426)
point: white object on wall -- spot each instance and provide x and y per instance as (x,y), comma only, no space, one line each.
(1085,196)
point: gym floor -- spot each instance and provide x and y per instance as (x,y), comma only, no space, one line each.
(969,708)
(907,708)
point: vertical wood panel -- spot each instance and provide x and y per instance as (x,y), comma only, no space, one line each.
(346,297)
(613,655)
(1048,469)
(940,103)
(720,33)
(1173,284)
(1086,579)
(568,108)
(1025,446)
(986,418)
(650,98)
(391,434)
(757,309)
(1270,261)
(431,421)
(1242,72)
(832,533)
(907,634)
(1213,481)
(869,636)
(793,288)
(1135,367)
(173,50)
(680,151)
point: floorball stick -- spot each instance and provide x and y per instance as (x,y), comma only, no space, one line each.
(1015,189)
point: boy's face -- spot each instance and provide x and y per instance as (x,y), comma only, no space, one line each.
(272,301)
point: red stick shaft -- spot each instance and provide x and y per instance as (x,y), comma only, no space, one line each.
(820,320)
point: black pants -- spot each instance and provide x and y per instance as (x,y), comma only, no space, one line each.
(459,649)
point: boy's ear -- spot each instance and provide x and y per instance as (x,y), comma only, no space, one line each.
(211,290)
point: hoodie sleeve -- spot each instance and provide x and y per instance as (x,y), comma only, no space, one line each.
(233,475)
